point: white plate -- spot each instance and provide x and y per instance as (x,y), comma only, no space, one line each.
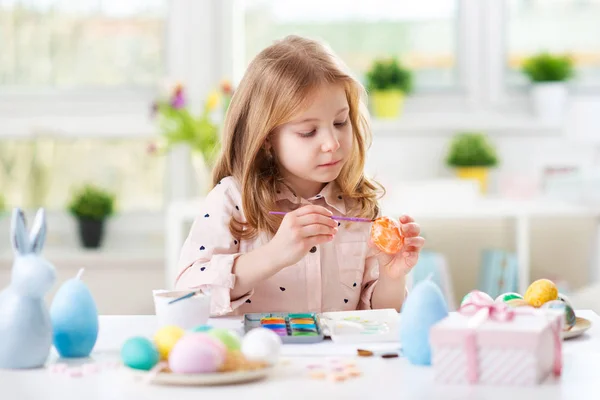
(222,378)
(581,325)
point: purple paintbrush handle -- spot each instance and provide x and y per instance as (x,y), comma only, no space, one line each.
(335,217)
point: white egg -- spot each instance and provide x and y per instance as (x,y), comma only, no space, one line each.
(261,344)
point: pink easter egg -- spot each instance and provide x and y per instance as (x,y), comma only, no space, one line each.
(209,340)
(193,355)
(476,296)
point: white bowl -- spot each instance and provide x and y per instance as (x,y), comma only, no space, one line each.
(187,313)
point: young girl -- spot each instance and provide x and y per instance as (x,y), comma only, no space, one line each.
(294,140)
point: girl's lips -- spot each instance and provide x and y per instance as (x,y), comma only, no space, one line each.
(331,164)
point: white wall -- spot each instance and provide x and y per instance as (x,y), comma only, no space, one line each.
(561,248)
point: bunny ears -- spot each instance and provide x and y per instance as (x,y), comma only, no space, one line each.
(22,244)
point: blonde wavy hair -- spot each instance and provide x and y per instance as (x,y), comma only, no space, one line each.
(276,87)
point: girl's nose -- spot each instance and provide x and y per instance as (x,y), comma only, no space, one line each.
(331,142)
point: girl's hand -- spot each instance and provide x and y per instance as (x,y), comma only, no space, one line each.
(397,265)
(299,231)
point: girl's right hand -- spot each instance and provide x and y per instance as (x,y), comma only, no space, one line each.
(299,231)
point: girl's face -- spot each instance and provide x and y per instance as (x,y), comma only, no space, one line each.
(313,147)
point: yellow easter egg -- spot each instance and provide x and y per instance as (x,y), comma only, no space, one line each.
(165,338)
(540,292)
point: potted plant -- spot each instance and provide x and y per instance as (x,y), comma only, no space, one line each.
(190,139)
(91,206)
(548,74)
(472,155)
(388,82)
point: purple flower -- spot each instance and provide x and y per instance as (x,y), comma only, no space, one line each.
(178,101)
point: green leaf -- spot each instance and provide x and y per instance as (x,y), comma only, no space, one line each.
(545,67)
(386,74)
(180,126)
(471,149)
(92,202)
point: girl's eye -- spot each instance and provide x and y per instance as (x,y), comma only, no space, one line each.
(342,123)
(308,134)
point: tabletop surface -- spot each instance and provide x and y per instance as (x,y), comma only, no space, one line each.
(381,378)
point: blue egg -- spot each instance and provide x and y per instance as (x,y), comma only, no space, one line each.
(74,319)
(424,307)
(569,314)
(139,353)
(201,328)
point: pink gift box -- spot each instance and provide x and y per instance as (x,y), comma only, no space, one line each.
(522,351)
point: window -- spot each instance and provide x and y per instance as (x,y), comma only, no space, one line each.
(558,26)
(44,171)
(422,34)
(109,53)
(81,43)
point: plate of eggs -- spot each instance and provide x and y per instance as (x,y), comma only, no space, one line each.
(201,356)
(544,294)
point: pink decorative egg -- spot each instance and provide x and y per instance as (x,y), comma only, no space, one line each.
(194,354)
(479,296)
(204,338)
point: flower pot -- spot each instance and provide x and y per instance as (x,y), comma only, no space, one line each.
(387,104)
(479,174)
(91,232)
(549,100)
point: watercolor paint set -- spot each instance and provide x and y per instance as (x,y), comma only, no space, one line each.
(292,327)
(343,327)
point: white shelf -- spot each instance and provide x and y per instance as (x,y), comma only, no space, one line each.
(450,123)
(140,257)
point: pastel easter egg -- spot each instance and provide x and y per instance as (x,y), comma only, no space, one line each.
(201,328)
(424,307)
(139,353)
(517,303)
(210,340)
(569,313)
(540,292)
(385,234)
(192,355)
(484,296)
(503,298)
(262,344)
(563,297)
(229,338)
(165,338)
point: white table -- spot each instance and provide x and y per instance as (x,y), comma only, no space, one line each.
(520,211)
(382,378)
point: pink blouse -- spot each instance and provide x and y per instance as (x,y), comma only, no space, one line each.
(335,276)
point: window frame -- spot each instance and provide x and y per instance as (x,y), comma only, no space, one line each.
(191,27)
(501,95)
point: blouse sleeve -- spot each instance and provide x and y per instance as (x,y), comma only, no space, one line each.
(210,250)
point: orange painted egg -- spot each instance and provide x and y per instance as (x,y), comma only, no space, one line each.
(385,234)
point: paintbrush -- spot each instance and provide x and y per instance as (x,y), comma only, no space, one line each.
(335,217)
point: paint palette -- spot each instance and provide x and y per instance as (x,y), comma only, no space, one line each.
(362,326)
(292,327)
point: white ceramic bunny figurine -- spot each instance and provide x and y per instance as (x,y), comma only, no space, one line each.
(25,328)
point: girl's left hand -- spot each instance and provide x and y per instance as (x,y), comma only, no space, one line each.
(400,264)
